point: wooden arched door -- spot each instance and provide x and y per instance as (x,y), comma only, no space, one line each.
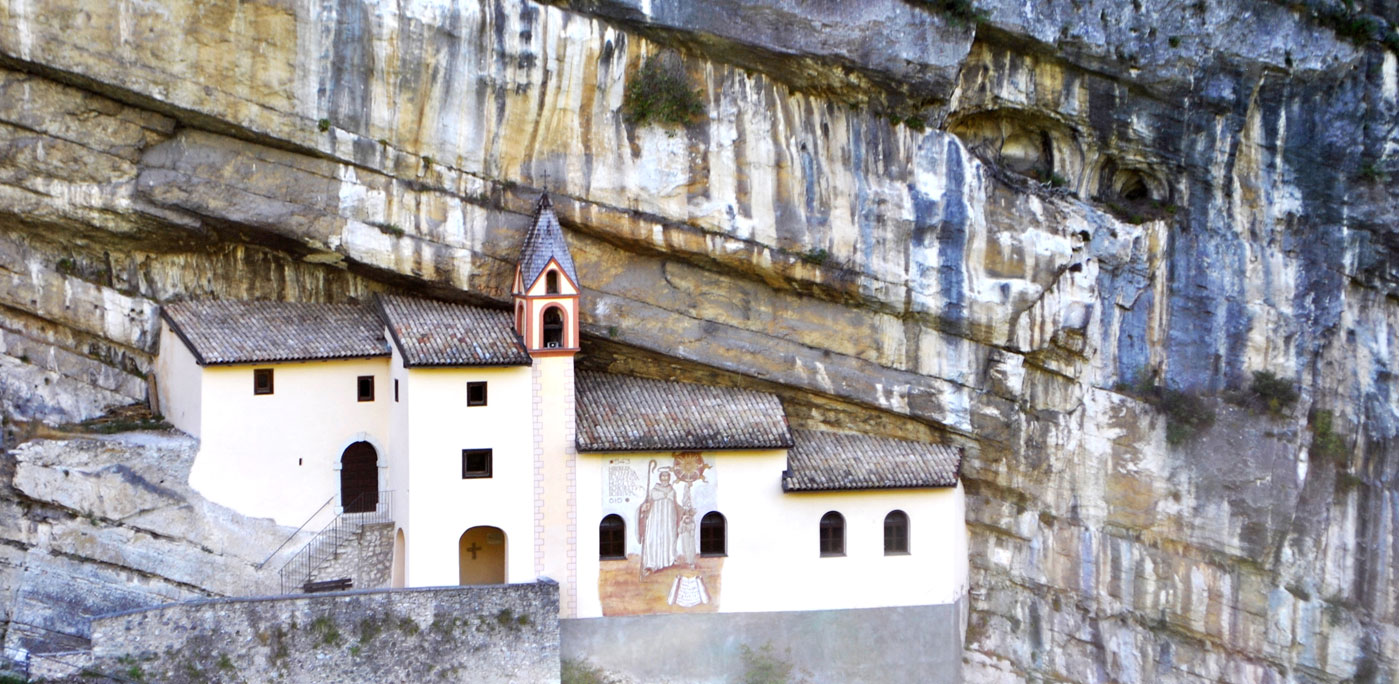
(359,478)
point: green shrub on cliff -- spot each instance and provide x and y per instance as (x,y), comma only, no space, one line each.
(1275,393)
(1326,442)
(960,11)
(1187,414)
(657,94)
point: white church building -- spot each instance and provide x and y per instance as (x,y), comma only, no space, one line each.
(498,462)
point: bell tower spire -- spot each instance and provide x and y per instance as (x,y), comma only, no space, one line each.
(546,288)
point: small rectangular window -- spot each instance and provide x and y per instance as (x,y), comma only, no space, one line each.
(475,463)
(475,394)
(262,381)
(366,388)
(395,390)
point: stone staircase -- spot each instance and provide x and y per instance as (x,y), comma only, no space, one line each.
(356,546)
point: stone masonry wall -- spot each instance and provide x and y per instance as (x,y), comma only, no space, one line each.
(366,558)
(466,634)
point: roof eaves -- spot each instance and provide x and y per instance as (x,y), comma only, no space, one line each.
(787,487)
(460,364)
(175,326)
(593,448)
(294,359)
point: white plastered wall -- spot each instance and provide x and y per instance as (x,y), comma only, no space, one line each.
(399,444)
(278,455)
(441,504)
(558,559)
(774,561)
(178,379)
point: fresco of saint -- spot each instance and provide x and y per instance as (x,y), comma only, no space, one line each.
(659,517)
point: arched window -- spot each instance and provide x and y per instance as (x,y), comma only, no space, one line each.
(832,534)
(553,327)
(551,282)
(612,538)
(712,531)
(895,533)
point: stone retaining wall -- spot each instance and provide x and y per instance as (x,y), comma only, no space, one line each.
(366,558)
(478,634)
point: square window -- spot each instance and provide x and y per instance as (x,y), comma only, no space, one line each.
(475,463)
(476,394)
(262,381)
(366,388)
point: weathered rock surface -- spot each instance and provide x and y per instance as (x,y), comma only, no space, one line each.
(1210,202)
(98,525)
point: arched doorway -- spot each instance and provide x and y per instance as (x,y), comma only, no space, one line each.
(481,551)
(359,478)
(400,553)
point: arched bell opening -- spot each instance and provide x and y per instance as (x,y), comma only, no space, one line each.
(553,327)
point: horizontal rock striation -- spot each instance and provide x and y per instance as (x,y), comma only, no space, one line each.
(1078,201)
(101,524)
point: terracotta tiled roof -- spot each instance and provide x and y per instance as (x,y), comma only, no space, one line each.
(543,242)
(220,332)
(433,333)
(833,461)
(621,413)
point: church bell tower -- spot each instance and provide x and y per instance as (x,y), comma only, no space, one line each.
(546,294)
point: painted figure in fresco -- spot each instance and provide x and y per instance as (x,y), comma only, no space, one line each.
(659,517)
(689,467)
(687,533)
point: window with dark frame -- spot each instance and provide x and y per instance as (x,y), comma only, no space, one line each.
(832,534)
(551,282)
(366,388)
(476,393)
(612,538)
(896,533)
(395,390)
(262,381)
(475,463)
(712,534)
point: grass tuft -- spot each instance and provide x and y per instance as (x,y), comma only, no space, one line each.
(659,95)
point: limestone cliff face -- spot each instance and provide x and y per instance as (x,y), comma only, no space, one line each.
(1078,197)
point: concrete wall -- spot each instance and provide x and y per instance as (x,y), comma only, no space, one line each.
(913,644)
(504,633)
(441,504)
(774,561)
(292,438)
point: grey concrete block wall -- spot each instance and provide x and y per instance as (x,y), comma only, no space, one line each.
(897,645)
(502,633)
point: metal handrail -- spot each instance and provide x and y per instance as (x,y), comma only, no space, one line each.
(286,541)
(298,571)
